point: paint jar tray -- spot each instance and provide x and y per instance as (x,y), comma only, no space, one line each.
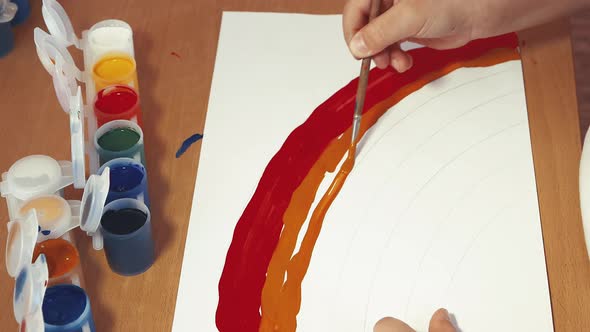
(106,138)
(110,80)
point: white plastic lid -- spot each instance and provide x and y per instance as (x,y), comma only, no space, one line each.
(7,11)
(59,24)
(29,289)
(22,237)
(33,322)
(69,95)
(92,206)
(65,86)
(77,139)
(51,51)
(36,175)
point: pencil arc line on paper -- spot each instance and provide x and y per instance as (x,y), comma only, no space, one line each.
(398,219)
(414,112)
(421,146)
(499,171)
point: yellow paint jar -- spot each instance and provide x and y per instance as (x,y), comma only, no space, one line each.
(115,68)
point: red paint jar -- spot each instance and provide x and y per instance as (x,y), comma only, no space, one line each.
(117,102)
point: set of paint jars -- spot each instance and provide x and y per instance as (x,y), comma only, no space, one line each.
(48,294)
(116,151)
(114,209)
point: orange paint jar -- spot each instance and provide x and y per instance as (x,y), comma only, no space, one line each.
(62,257)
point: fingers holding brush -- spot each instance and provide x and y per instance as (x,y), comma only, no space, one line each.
(366,37)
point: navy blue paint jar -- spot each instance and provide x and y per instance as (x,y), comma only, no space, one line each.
(23,12)
(127,179)
(127,236)
(8,11)
(66,308)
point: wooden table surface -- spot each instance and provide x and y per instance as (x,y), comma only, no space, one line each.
(175,95)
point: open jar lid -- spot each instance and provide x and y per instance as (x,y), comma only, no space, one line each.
(50,51)
(56,216)
(22,237)
(29,288)
(33,322)
(69,95)
(92,206)
(58,23)
(77,139)
(36,175)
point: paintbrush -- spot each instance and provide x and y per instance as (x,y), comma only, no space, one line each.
(362,85)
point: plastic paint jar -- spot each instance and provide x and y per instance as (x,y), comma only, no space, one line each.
(63,260)
(8,11)
(109,36)
(127,234)
(128,179)
(117,102)
(41,230)
(53,213)
(119,139)
(67,308)
(23,12)
(122,228)
(115,68)
(34,176)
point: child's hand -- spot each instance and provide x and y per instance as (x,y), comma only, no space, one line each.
(440,24)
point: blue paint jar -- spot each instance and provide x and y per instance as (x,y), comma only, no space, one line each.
(127,236)
(127,179)
(66,308)
(7,13)
(23,13)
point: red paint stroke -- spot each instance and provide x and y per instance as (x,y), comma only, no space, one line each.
(257,232)
(175,54)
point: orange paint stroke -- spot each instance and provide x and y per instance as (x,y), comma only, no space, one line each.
(281,294)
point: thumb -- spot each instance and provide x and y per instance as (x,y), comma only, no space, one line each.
(400,22)
(441,322)
(389,324)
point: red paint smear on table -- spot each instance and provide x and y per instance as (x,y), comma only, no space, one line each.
(257,231)
(175,54)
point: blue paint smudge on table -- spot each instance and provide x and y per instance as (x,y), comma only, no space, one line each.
(187,143)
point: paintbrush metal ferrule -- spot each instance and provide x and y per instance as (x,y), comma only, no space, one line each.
(360,98)
(356,124)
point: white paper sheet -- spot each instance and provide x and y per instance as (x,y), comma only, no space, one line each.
(446,209)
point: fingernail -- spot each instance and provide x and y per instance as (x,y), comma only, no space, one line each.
(358,46)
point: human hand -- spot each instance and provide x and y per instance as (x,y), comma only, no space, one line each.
(440,322)
(439,24)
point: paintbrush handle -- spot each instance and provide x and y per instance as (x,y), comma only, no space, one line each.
(363,80)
